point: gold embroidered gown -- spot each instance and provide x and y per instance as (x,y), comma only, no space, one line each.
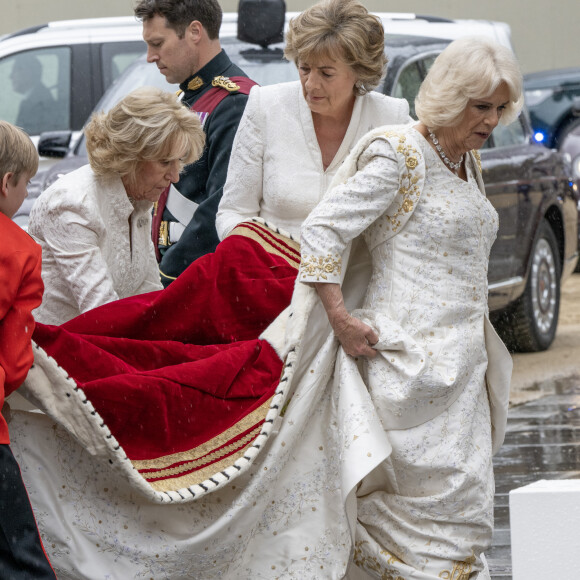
(426,511)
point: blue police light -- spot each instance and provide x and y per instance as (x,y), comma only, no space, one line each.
(539,137)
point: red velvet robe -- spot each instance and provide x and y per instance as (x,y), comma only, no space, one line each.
(179,376)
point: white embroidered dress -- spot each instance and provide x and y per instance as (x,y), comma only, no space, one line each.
(90,253)
(426,511)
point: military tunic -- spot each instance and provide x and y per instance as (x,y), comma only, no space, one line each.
(202,182)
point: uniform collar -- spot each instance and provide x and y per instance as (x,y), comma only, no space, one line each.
(202,78)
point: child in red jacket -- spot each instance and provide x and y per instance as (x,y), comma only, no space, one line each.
(22,555)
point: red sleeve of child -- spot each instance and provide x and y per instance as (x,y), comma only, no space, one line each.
(20,293)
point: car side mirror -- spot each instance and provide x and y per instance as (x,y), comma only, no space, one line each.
(54,143)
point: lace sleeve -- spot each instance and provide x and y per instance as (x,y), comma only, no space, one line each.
(243,189)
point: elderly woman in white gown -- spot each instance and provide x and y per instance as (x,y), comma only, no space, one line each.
(430,359)
(94,224)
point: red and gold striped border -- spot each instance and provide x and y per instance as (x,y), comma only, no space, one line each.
(272,241)
(187,468)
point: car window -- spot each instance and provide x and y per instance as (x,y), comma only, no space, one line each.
(36,89)
(266,66)
(141,74)
(407,86)
(410,79)
(508,135)
(270,73)
(117,56)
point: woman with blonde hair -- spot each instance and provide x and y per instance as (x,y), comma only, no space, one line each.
(415,344)
(94,224)
(294,136)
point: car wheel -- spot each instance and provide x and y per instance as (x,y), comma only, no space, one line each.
(530,325)
(567,127)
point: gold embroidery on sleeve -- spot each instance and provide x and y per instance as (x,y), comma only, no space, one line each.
(320,266)
(408,189)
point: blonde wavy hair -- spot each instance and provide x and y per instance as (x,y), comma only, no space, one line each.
(469,68)
(147,125)
(17,152)
(341,29)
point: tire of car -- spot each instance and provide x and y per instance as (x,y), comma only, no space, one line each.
(530,324)
(568,126)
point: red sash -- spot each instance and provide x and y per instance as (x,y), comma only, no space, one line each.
(204,105)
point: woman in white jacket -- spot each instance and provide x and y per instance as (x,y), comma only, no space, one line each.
(294,136)
(94,224)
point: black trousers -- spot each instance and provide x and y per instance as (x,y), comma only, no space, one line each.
(22,556)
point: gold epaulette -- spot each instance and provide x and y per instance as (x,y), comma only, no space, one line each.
(225,83)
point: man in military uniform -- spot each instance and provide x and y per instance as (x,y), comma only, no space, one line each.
(182,39)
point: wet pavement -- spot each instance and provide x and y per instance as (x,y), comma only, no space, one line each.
(542,442)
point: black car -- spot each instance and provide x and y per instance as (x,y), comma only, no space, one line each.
(553,99)
(528,184)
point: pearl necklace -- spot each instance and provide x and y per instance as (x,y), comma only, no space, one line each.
(453,166)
